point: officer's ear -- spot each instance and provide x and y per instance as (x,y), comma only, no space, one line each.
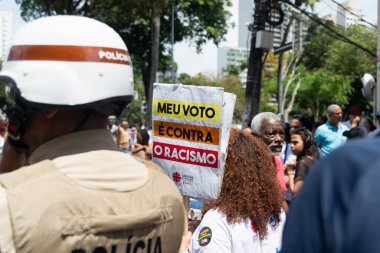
(50,113)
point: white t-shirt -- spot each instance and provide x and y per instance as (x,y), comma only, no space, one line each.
(214,234)
(1,144)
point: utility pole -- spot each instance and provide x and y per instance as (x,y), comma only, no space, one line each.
(172,43)
(253,87)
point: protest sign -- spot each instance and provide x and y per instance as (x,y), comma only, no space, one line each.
(187,132)
(186,136)
(229,100)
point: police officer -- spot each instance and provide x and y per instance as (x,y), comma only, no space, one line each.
(63,77)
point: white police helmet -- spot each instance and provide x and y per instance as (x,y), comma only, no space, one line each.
(69,61)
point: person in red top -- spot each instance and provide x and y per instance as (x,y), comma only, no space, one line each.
(269,127)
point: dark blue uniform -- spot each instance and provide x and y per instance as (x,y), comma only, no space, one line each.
(338,207)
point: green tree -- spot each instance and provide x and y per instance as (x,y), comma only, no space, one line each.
(352,62)
(321,88)
(230,83)
(292,74)
(317,46)
(332,66)
(134,116)
(183,78)
(344,59)
(281,74)
(231,69)
(269,84)
(145,25)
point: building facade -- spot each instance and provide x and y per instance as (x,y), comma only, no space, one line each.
(347,15)
(330,17)
(299,30)
(232,56)
(279,30)
(245,18)
(6,32)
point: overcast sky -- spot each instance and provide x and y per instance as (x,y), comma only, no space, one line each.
(184,53)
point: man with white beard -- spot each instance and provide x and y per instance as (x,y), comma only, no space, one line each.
(270,128)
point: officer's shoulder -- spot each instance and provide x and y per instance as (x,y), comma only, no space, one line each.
(159,178)
(153,166)
(352,156)
(29,172)
(363,146)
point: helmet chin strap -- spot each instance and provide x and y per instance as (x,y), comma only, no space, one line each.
(18,146)
(81,123)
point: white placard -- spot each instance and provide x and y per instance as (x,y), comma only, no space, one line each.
(187,136)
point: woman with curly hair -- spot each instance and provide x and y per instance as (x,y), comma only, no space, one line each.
(247,215)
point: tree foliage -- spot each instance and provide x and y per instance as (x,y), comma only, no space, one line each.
(281,73)
(348,60)
(331,70)
(230,83)
(321,88)
(232,69)
(316,51)
(135,116)
(291,76)
(331,54)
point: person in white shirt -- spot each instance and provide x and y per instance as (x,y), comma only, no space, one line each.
(112,127)
(247,215)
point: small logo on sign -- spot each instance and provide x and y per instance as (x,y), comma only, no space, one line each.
(176,177)
(188,179)
(204,236)
(273,223)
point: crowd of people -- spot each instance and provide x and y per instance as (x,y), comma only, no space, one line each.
(295,148)
(76,179)
(136,141)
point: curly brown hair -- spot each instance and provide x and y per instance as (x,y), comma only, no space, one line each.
(250,189)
